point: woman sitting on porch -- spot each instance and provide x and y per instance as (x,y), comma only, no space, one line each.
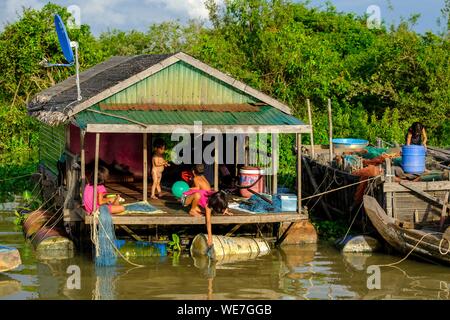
(88,195)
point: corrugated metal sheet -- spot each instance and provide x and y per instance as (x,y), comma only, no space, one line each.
(237,107)
(52,141)
(181,83)
(266,116)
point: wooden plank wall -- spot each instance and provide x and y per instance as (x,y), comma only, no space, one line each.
(406,203)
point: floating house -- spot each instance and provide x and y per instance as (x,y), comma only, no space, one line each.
(127,101)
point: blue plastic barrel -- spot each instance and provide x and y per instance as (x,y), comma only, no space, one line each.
(413,159)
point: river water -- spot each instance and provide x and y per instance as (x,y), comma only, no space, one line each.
(294,272)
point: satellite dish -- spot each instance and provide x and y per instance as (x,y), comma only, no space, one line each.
(66,47)
(64,40)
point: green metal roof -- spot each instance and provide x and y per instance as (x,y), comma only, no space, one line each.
(266,116)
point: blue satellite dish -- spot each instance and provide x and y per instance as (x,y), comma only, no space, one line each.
(64,40)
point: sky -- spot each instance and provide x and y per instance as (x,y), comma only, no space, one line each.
(102,15)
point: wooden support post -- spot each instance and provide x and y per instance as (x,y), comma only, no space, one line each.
(388,178)
(216,162)
(97,151)
(299,173)
(330,133)
(274,163)
(308,103)
(83,161)
(284,235)
(233,230)
(145,167)
(236,156)
(246,150)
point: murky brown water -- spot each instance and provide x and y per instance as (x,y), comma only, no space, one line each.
(308,272)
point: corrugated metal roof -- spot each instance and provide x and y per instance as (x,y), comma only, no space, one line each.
(266,116)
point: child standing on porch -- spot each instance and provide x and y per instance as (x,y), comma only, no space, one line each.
(158,165)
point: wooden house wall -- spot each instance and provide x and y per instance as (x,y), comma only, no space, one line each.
(52,142)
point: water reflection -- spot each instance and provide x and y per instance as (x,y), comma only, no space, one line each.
(292,272)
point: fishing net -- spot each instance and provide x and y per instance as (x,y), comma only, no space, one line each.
(104,285)
(256,204)
(106,238)
(141,207)
(373,152)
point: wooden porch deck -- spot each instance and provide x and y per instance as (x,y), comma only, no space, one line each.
(175,214)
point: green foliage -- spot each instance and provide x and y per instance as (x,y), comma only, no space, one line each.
(380,81)
(330,230)
(15,178)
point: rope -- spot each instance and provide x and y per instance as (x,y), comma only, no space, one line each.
(18,177)
(411,251)
(346,186)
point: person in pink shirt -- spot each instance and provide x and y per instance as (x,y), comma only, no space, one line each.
(88,195)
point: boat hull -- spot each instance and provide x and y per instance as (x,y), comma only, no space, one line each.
(428,245)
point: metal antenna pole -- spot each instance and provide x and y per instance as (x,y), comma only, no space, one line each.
(77,69)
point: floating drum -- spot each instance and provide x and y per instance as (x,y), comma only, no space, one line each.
(52,243)
(413,159)
(245,248)
(35,221)
(9,258)
(248,176)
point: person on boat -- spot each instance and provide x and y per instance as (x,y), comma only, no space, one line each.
(416,135)
(88,195)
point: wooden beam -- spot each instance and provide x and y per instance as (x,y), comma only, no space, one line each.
(427,196)
(284,235)
(97,151)
(388,176)
(311,135)
(185,219)
(274,163)
(83,161)
(444,211)
(145,167)
(233,230)
(330,130)
(299,173)
(170,128)
(131,233)
(216,161)
(424,186)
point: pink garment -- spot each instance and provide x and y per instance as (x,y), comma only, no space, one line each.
(88,196)
(204,196)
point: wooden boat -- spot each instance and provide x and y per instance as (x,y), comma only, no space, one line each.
(9,258)
(427,243)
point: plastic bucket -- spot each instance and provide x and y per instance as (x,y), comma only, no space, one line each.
(248,176)
(245,248)
(413,159)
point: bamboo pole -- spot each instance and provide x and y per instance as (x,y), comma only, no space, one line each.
(97,151)
(274,163)
(308,103)
(330,125)
(216,163)
(145,167)
(299,173)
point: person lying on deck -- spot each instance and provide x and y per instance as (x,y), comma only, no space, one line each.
(88,195)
